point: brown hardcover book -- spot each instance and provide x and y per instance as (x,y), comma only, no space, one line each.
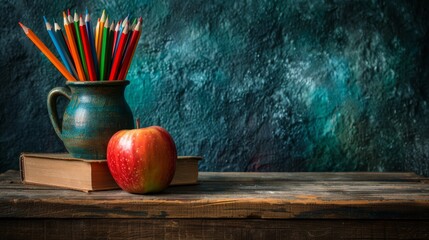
(62,170)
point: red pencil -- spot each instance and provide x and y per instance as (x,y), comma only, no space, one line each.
(71,21)
(118,55)
(115,38)
(87,50)
(130,52)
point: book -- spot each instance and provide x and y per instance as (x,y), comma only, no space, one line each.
(62,170)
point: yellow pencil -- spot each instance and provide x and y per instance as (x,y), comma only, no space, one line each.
(73,49)
(96,38)
(42,47)
(100,33)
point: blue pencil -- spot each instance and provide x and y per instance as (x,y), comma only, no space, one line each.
(63,56)
(91,41)
(121,28)
(62,40)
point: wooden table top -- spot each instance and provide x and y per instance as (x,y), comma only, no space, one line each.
(233,195)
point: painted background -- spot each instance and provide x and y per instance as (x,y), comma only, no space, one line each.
(250,85)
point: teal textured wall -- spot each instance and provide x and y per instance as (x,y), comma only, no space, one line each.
(250,85)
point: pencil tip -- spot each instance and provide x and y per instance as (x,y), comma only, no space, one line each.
(23,27)
(103,16)
(44,19)
(125,31)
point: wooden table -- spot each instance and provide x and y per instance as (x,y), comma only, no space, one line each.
(226,206)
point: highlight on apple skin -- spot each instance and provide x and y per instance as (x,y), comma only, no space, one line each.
(142,160)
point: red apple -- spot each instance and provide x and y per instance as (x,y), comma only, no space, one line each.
(142,160)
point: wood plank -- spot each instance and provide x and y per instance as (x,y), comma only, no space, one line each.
(210,229)
(312,176)
(305,192)
(234,195)
(13,175)
(61,207)
(11,180)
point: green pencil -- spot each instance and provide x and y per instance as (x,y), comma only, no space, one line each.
(104,53)
(109,50)
(80,44)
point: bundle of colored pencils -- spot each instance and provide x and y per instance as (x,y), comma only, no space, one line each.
(85,56)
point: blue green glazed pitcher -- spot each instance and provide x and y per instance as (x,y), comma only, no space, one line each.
(96,111)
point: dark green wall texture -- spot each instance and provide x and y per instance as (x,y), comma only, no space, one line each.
(250,85)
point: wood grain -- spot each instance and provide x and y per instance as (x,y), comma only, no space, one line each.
(234,195)
(226,206)
(211,229)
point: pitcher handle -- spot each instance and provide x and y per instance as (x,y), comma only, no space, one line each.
(52,106)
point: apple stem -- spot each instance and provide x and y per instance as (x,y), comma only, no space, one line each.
(137,123)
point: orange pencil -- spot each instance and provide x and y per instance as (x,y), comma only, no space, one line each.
(87,50)
(42,47)
(73,49)
(71,20)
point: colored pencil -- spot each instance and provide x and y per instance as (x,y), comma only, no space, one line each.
(73,49)
(120,31)
(132,45)
(115,37)
(118,55)
(63,41)
(85,55)
(42,47)
(61,51)
(100,34)
(87,50)
(80,44)
(103,50)
(130,29)
(70,20)
(91,41)
(127,41)
(69,16)
(97,35)
(109,50)
(60,35)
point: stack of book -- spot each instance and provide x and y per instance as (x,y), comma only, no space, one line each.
(62,170)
